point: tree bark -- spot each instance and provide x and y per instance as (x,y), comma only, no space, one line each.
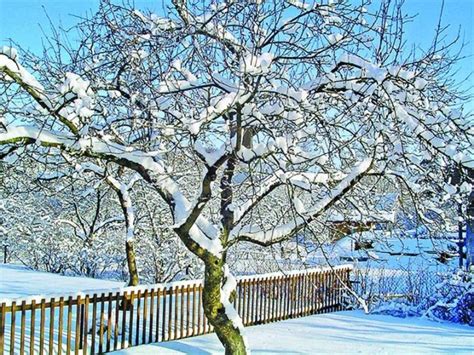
(229,335)
(132,263)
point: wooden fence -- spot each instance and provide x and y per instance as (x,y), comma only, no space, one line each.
(105,322)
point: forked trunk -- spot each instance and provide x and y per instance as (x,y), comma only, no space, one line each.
(223,319)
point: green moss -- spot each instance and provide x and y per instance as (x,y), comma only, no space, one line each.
(229,336)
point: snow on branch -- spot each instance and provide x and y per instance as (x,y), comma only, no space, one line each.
(126,204)
(421,130)
(13,70)
(281,232)
(304,180)
(146,164)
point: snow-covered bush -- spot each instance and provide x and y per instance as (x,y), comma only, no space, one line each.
(452,300)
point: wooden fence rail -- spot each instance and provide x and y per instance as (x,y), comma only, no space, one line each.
(102,322)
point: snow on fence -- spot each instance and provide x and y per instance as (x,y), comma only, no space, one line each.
(109,321)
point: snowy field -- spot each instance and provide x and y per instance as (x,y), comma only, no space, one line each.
(17,281)
(350,332)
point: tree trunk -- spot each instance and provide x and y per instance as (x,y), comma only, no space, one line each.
(229,335)
(132,263)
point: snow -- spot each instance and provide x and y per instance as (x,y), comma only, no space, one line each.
(76,84)
(334,38)
(252,64)
(294,272)
(335,333)
(17,281)
(169,86)
(9,52)
(226,291)
(7,60)
(300,4)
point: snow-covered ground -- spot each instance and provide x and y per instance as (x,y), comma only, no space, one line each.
(17,281)
(350,332)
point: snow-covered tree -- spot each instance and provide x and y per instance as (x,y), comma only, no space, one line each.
(252,120)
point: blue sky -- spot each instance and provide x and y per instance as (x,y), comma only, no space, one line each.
(24,20)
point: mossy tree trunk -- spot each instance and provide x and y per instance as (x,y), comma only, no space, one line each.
(212,297)
(227,332)
(132,263)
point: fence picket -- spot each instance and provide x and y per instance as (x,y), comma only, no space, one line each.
(281,298)
(116,319)
(274,298)
(101,324)
(158,303)
(181,330)
(202,315)
(60,324)
(42,321)
(249,302)
(123,308)
(22,327)
(85,324)
(152,314)
(12,328)
(188,310)
(109,322)
(163,326)
(77,340)
(94,320)
(194,310)
(170,315)
(145,316)
(51,327)
(32,328)
(306,294)
(130,324)
(243,310)
(139,308)
(69,325)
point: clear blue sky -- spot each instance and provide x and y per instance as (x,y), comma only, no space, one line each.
(22,20)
